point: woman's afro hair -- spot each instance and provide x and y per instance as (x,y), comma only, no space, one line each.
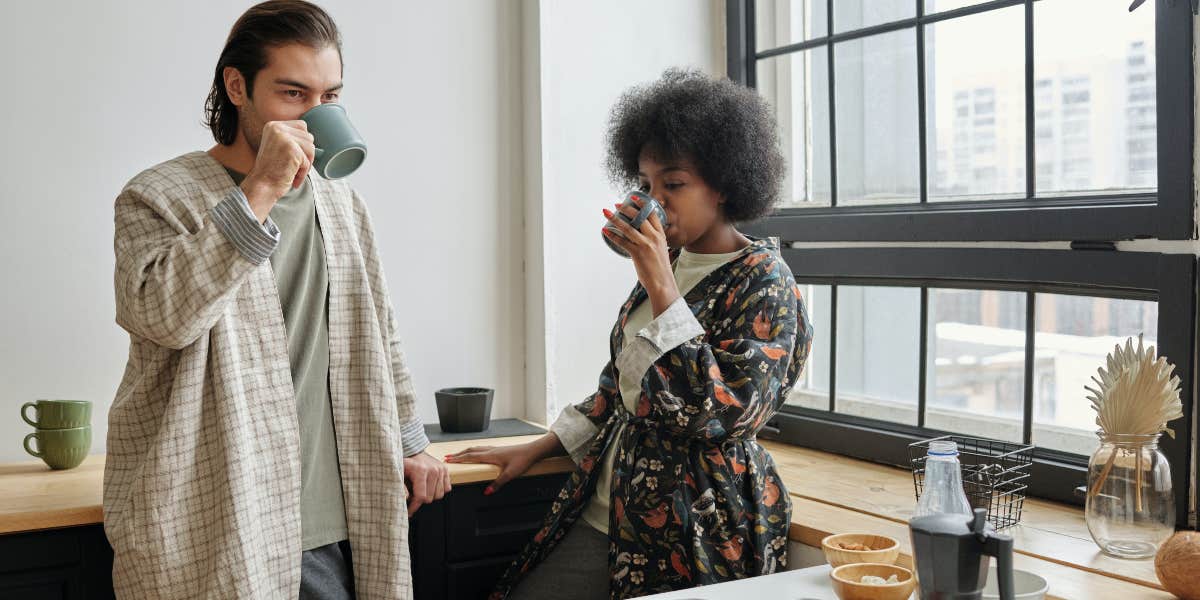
(725,130)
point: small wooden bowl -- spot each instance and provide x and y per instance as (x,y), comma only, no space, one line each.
(883,549)
(847,582)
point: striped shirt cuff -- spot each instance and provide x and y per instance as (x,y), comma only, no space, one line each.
(575,431)
(413,438)
(233,217)
(666,332)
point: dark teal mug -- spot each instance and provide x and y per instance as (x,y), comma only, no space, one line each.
(340,148)
(647,206)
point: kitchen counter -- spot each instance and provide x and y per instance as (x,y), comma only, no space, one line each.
(830,494)
(463,473)
(33,497)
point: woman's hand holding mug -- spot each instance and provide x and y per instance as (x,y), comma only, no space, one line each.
(647,246)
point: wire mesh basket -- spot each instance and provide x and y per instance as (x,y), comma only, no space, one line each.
(994,474)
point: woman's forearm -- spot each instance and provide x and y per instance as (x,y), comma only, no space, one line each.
(546,446)
(662,296)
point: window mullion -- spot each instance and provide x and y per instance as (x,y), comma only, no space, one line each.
(833,191)
(833,341)
(1030,333)
(750,39)
(1030,139)
(921,116)
(923,359)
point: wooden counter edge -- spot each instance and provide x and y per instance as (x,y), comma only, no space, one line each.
(50,519)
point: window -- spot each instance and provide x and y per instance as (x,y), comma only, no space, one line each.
(876,374)
(1072,335)
(1067,116)
(989,342)
(937,121)
(975,366)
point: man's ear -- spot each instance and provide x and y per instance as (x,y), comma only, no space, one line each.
(235,86)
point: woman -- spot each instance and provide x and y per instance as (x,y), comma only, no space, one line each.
(672,487)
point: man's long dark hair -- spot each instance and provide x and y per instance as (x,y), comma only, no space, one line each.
(271,23)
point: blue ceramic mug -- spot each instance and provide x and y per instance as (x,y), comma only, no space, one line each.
(340,148)
(649,206)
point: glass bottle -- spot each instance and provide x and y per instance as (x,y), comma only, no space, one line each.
(1130,507)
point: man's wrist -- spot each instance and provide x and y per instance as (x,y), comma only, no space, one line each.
(259,197)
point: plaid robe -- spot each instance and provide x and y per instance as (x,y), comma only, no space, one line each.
(695,499)
(202,481)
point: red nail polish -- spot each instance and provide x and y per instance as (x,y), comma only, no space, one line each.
(608,213)
(488,491)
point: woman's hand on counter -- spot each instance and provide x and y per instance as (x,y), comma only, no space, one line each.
(513,461)
(428,480)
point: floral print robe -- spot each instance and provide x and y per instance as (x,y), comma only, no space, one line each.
(695,499)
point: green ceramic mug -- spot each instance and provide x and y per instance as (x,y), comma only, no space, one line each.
(61,448)
(58,414)
(340,149)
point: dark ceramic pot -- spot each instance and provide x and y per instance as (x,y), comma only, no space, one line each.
(465,409)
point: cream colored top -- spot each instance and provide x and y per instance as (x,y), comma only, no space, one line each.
(690,269)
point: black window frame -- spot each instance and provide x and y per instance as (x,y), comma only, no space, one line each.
(1169,279)
(1091,268)
(1166,214)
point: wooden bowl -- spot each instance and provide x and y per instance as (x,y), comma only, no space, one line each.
(883,549)
(847,582)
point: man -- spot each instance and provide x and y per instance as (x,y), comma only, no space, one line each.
(266,422)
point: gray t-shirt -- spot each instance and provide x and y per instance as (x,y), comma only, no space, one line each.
(303,282)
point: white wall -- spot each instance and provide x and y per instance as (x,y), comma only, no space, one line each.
(485,121)
(587,53)
(95,92)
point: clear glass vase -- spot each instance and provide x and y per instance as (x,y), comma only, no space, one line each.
(1130,500)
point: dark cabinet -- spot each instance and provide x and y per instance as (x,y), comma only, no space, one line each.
(462,545)
(459,547)
(74,563)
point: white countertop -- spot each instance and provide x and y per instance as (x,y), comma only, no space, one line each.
(802,584)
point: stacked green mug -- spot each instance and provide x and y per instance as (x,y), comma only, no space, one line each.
(62,434)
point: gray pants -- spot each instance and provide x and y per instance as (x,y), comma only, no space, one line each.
(576,569)
(327,573)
